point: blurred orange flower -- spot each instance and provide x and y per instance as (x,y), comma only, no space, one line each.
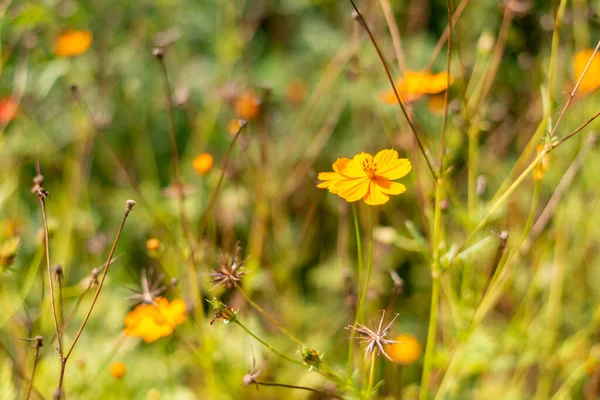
(72,43)
(543,165)
(247,105)
(203,163)
(406,352)
(295,91)
(367,177)
(591,80)
(8,110)
(151,322)
(117,370)
(415,84)
(152,244)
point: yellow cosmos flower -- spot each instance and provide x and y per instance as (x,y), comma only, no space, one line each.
(415,84)
(72,43)
(367,177)
(591,80)
(406,352)
(151,322)
(203,163)
(117,370)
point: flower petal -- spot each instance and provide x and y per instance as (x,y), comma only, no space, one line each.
(351,189)
(393,169)
(375,196)
(389,187)
(340,164)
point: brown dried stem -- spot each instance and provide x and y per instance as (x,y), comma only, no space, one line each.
(391,80)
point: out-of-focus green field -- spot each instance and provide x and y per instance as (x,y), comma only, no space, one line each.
(517,315)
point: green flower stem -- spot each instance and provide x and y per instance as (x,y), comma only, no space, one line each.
(372,372)
(358,317)
(359,282)
(367,278)
(435,293)
(271,319)
(267,345)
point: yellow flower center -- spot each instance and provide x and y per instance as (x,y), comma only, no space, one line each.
(369,167)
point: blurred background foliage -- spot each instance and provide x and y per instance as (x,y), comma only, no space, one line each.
(318,80)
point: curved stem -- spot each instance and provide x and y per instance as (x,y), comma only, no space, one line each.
(267,345)
(298,387)
(267,316)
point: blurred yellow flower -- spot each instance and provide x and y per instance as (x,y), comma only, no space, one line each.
(406,352)
(543,165)
(72,43)
(247,105)
(151,322)
(203,163)
(414,84)
(152,244)
(117,370)
(8,110)
(591,80)
(367,177)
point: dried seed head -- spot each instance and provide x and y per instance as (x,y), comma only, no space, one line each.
(58,272)
(229,273)
(38,181)
(129,206)
(222,311)
(311,357)
(374,337)
(151,288)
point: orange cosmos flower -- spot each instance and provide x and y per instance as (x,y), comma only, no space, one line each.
(591,80)
(406,351)
(153,321)
(117,370)
(72,43)
(414,84)
(247,105)
(8,110)
(367,177)
(203,163)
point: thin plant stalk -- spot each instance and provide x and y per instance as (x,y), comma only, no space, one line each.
(372,372)
(65,358)
(215,192)
(413,130)
(267,345)
(42,197)
(185,223)
(440,44)
(271,319)
(38,344)
(435,293)
(357,316)
(321,392)
(551,331)
(367,277)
